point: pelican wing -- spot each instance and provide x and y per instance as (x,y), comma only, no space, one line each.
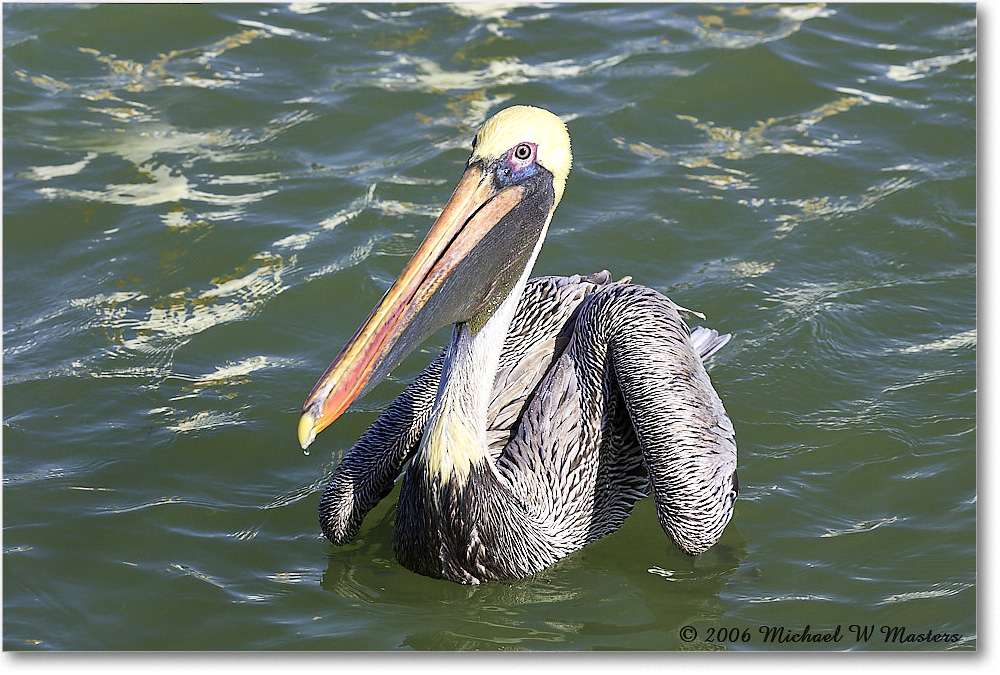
(687,440)
(368,471)
(624,408)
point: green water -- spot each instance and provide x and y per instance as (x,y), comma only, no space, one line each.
(202,202)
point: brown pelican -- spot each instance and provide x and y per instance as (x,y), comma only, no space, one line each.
(558,403)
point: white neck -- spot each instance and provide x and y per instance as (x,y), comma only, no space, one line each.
(455,437)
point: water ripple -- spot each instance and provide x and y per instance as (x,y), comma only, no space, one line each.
(424,74)
(940,590)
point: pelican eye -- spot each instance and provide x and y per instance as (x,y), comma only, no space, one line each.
(517,164)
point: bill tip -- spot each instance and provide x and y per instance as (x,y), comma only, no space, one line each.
(307,429)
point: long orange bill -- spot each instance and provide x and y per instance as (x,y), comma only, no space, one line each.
(393,329)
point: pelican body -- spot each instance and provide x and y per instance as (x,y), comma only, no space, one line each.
(558,403)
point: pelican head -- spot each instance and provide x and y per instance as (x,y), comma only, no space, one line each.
(481,244)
